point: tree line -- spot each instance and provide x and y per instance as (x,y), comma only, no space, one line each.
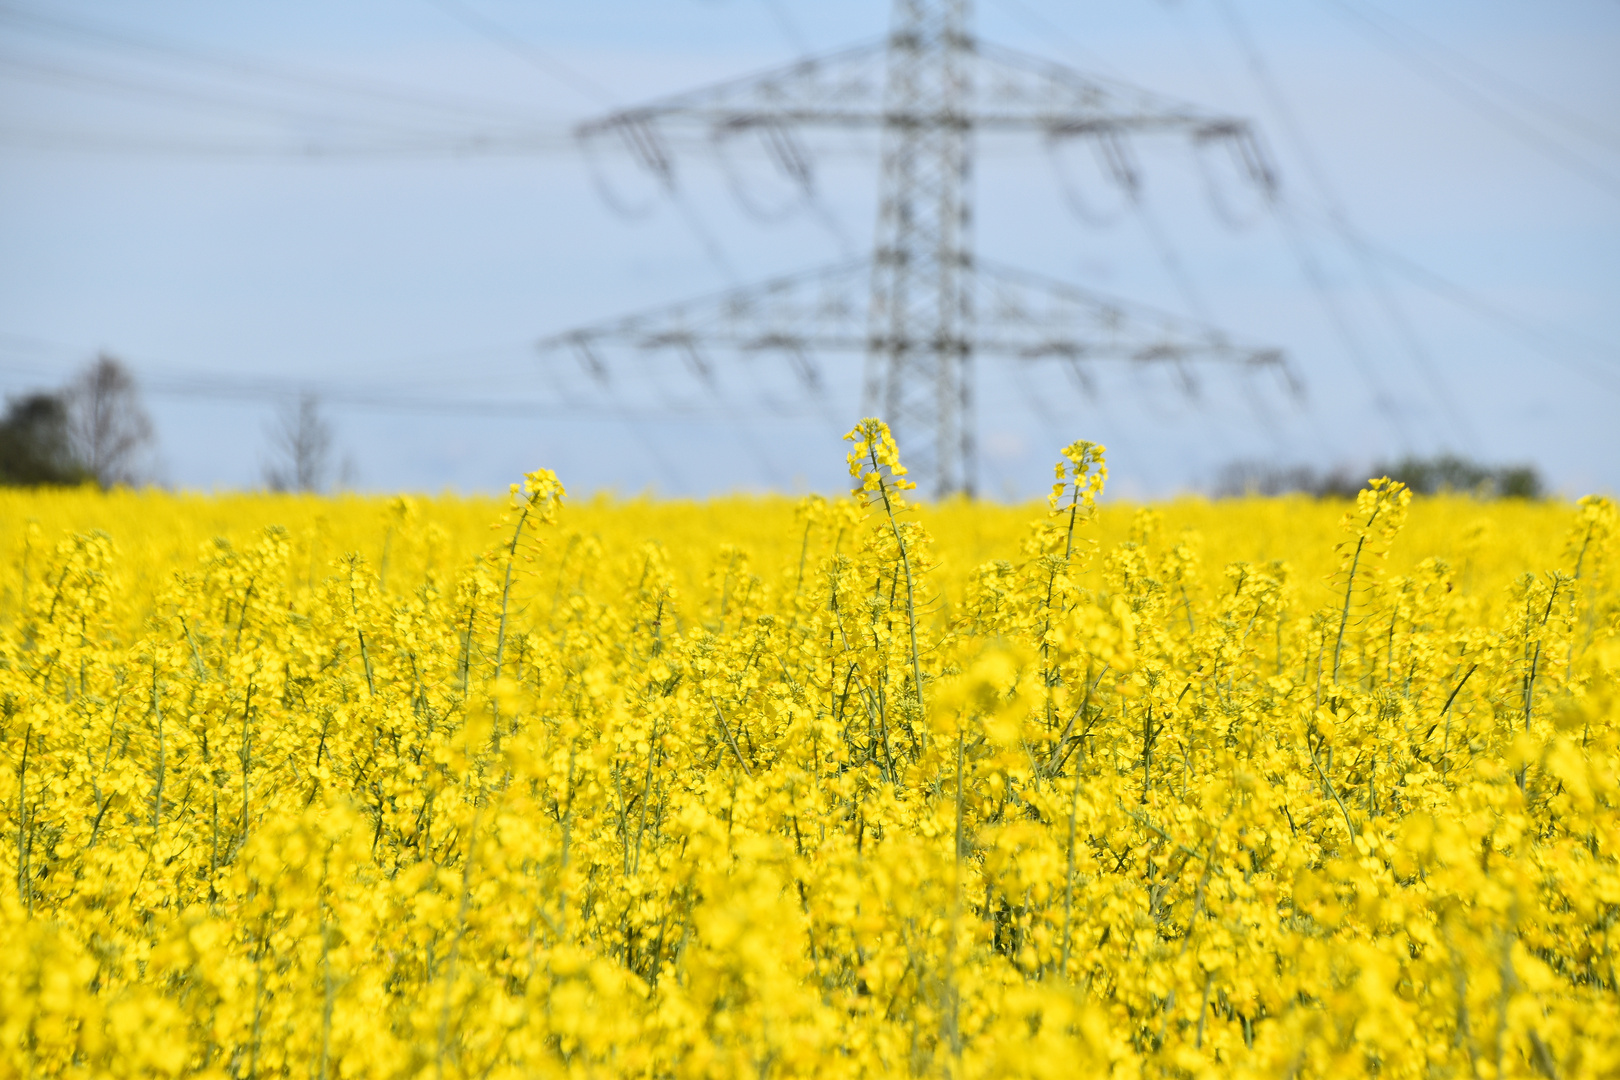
(96,430)
(1445,472)
(93,430)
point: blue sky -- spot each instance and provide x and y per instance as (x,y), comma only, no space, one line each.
(221,195)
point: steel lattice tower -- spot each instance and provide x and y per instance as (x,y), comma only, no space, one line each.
(920,353)
(931,308)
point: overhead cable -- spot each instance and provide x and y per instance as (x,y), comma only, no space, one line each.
(1045,28)
(636,432)
(1339,319)
(205,99)
(525,50)
(1545,341)
(1530,134)
(500,35)
(171,382)
(252,67)
(706,238)
(324,149)
(1407,331)
(1526,97)
(218,388)
(784,22)
(1260,71)
(823,213)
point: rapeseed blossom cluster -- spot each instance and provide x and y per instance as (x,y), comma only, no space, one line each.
(852,787)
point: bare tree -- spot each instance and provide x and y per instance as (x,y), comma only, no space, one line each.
(108,427)
(301,442)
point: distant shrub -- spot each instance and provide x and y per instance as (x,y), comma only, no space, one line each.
(35,445)
(1424,475)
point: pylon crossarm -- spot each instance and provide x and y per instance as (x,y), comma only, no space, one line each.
(841,87)
(1014,90)
(1003,90)
(796,317)
(1026,316)
(1020,316)
(1154,352)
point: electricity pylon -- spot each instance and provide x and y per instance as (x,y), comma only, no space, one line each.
(931,308)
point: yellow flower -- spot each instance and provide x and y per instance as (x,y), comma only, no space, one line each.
(296,787)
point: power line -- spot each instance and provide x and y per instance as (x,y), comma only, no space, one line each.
(428,145)
(1407,332)
(1375,25)
(1528,97)
(500,35)
(524,50)
(1317,174)
(823,214)
(1044,27)
(247,80)
(1175,268)
(784,22)
(1083,211)
(124,144)
(932,309)
(170,382)
(264,390)
(1316,279)
(1124,175)
(636,433)
(1539,338)
(1170,259)
(407,145)
(1366,254)
(254,68)
(705,236)
(211,100)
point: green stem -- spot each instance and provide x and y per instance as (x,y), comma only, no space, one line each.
(730,740)
(1344,615)
(23,889)
(455,944)
(157,802)
(1068,877)
(365,655)
(1329,785)
(905,563)
(506,590)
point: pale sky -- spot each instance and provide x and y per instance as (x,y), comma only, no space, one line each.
(245,201)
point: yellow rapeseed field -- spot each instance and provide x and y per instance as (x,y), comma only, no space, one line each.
(321,788)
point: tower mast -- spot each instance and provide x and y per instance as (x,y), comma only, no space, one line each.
(919,363)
